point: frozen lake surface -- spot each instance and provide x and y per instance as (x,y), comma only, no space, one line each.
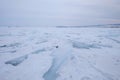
(59,53)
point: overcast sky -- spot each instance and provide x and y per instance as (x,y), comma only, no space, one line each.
(59,12)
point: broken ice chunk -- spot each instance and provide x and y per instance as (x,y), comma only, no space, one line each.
(84,45)
(17,61)
(38,51)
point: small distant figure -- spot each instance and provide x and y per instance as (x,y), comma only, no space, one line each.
(57,46)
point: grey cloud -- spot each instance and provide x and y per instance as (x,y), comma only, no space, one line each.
(58,12)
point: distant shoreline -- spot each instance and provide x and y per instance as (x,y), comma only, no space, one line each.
(93,26)
(62,26)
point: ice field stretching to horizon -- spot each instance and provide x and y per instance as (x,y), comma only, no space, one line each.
(28,53)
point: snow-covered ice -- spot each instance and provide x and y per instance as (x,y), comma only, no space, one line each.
(28,53)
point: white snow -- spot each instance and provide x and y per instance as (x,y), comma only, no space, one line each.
(28,53)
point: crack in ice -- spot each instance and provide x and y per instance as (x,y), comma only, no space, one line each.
(60,55)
